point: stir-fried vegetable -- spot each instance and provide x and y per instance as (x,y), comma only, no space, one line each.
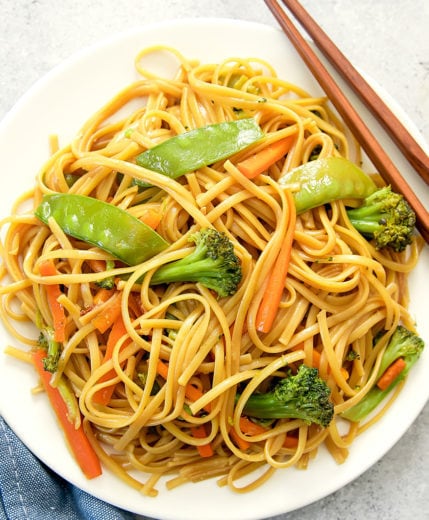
(324,180)
(191,150)
(102,224)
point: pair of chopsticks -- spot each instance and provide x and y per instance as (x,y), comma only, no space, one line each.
(398,133)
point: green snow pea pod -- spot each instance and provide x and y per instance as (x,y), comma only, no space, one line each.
(102,224)
(191,150)
(324,180)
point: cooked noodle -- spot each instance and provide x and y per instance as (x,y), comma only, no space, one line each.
(339,290)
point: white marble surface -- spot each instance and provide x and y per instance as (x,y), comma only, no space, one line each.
(388,40)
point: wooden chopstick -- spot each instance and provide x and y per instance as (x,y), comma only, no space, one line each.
(369,143)
(409,147)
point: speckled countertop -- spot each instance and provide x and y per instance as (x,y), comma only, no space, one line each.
(388,40)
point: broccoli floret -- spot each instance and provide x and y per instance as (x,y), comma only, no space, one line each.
(403,344)
(213,263)
(301,396)
(52,347)
(386,217)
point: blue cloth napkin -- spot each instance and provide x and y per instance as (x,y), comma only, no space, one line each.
(31,491)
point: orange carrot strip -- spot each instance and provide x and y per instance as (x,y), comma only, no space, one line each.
(290,442)
(199,432)
(316,358)
(239,441)
(98,266)
(53,292)
(104,320)
(276,281)
(162,369)
(261,161)
(391,373)
(102,295)
(151,217)
(76,438)
(248,427)
(104,395)
(192,392)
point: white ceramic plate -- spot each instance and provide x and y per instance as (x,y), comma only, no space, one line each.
(60,103)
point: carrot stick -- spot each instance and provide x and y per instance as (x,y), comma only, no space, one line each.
(248,427)
(98,266)
(239,441)
(53,292)
(104,320)
(104,395)
(391,373)
(199,432)
(261,161)
(192,392)
(102,295)
(276,281)
(151,217)
(76,438)
(162,369)
(290,442)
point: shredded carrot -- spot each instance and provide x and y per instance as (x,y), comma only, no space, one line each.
(316,358)
(261,161)
(248,427)
(102,295)
(192,392)
(53,292)
(199,432)
(290,442)
(97,266)
(151,217)
(239,441)
(391,373)
(118,330)
(104,320)
(162,369)
(76,438)
(134,305)
(276,281)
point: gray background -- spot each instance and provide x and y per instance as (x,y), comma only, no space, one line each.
(388,40)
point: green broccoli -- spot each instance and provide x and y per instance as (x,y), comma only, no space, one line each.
(52,347)
(403,344)
(301,396)
(213,263)
(386,217)
(109,281)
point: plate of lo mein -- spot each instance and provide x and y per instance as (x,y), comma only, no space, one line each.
(173,308)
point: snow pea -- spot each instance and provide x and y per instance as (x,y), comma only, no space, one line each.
(327,179)
(102,224)
(191,150)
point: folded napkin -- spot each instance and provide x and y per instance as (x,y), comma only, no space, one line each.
(31,491)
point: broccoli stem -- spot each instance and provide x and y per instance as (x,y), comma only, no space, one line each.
(404,344)
(52,347)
